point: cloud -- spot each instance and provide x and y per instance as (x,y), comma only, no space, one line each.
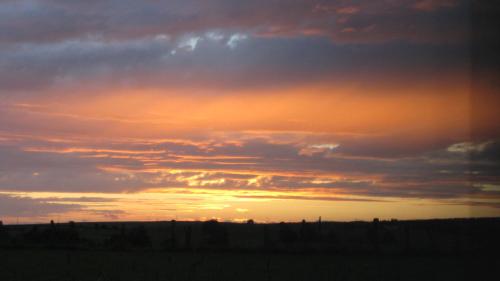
(93,64)
(112,215)
(325,149)
(433,5)
(235,39)
(468,147)
(299,197)
(189,43)
(480,151)
(252,164)
(278,96)
(17,206)
(60,45)
(50,20)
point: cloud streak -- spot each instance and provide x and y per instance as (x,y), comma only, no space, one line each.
(249,164)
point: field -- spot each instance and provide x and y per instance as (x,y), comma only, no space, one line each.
(105,265)
(385,250)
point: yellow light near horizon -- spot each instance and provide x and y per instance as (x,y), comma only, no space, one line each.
(260,205)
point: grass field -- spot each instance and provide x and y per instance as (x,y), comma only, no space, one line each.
(458,249)
(55,265)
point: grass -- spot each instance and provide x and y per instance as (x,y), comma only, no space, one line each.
(54,265)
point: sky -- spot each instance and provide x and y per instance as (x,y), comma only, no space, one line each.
(274,110)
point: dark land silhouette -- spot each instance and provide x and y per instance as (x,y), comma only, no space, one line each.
(439,249)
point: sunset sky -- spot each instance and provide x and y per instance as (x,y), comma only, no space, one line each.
(275,110)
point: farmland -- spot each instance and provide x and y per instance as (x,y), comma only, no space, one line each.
(463,249)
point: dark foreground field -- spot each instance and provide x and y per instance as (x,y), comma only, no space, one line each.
(459,249)
(62,265)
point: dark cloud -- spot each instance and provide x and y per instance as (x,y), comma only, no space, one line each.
(486,151)
(254,63)
(109,214)
(226,44)
(19,206)
(49,20)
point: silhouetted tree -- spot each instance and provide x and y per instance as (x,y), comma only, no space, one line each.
(117,241)
(407,241)
(138,237)
(429,230)
(49,235)
(267,242)
(307,232)
(55,236)
(250,222)
(214,233)
(331,236)
(33,235)
(187,236)
(287,235)
(319,225)
(457,244)
(173,242)
(388,237)
(373,234)
(303,229)
(4,236)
